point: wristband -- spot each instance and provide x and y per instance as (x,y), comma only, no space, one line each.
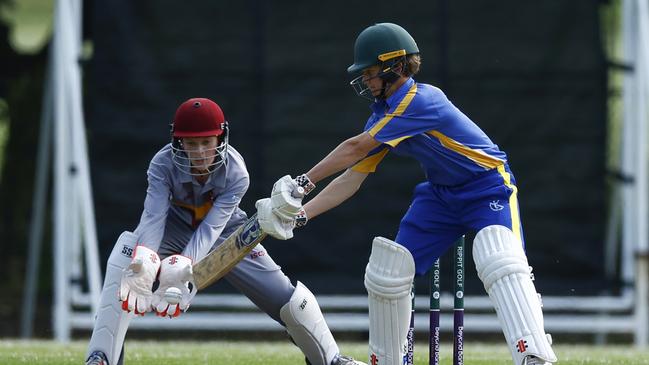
(305,183)
(301,219)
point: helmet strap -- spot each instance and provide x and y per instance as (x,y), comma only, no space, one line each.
(390,73)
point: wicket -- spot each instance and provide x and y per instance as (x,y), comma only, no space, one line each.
(434,311)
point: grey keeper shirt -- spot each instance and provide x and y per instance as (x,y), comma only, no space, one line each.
(176,205)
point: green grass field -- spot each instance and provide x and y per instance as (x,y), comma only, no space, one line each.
(276,353)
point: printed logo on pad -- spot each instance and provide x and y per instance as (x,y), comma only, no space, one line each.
(521,346)
(127,251)
(374,360)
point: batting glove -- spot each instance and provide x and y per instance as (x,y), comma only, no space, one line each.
(271,223)
(286,198)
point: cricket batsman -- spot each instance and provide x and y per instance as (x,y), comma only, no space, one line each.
(195,185)
(469,187)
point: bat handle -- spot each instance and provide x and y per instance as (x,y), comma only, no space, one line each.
(298,192)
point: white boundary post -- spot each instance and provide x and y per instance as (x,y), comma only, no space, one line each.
(73,211)
(61,168)
(642,89)
(635,239)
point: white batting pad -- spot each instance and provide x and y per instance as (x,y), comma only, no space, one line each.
(111,322)
(502,266)
(388,280)
(307,327)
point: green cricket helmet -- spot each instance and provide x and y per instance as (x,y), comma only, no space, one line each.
(383,44)
(379,43)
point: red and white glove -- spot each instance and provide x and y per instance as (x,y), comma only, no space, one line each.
(137,281)
(175,272)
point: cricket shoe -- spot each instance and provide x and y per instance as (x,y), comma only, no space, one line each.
(533,360)
(346,360)
(97,358)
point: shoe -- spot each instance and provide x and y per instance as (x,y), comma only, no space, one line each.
(97,358)
(533,360)
(346,360)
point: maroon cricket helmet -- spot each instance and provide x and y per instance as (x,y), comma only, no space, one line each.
(198,117)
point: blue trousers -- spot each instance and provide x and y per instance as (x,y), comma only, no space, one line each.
(439,215)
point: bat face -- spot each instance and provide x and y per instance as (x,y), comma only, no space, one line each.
(249,234)
(229,253)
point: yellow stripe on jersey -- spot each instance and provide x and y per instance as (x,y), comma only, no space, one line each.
(477,156)
(396,141)
(198,212)
(513,202)
(397,112)
(368,164)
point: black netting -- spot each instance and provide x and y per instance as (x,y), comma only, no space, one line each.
(531,74)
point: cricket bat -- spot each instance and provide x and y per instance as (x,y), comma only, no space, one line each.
(229,253)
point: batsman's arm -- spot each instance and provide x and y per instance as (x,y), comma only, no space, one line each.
(345,155)
(234,248)
(337,191)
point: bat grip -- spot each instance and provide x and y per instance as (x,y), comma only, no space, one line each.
(298,192)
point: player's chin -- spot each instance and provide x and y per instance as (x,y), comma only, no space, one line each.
(201,165)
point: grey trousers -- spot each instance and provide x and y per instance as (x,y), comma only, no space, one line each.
(257,276)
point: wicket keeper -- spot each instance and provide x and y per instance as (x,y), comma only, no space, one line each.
(195,185)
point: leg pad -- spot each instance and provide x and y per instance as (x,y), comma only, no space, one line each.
(502,266)
(388,280)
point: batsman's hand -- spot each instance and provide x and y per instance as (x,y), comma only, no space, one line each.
(175,271)
(137,281)
(286,198)
(271,223)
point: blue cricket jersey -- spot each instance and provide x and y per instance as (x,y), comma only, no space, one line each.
(419,121)
(469,185)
